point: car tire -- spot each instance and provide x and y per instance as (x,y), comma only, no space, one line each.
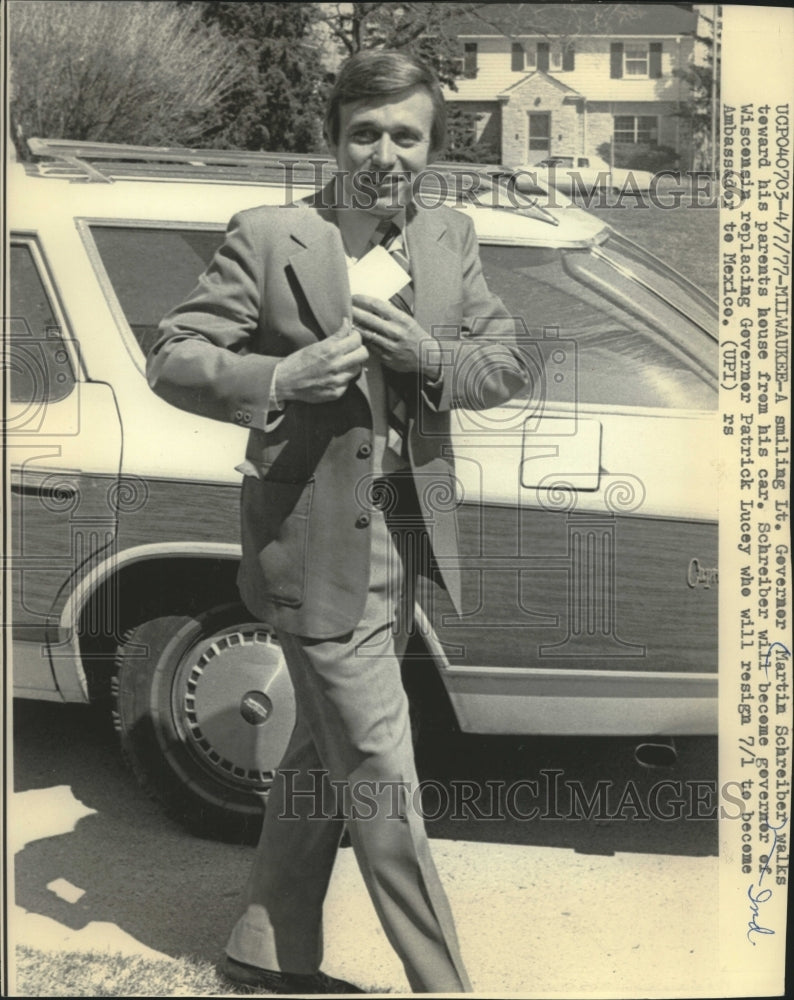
(204,708)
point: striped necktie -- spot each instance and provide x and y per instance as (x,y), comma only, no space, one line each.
(400,386)
(386,233)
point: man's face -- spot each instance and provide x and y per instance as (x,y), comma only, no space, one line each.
(383,142)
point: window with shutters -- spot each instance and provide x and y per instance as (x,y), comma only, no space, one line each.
(470,60)
(636,60)
(568,58)
(543,56)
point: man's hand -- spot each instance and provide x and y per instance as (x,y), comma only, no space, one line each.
(321,372)
(395,337)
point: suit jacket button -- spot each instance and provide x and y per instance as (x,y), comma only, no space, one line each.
(238,416)
(246,418)
(365,450)
(362,520)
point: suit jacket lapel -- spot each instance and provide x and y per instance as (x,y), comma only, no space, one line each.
(433,267)
(319,265)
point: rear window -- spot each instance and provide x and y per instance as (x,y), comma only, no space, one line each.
(153,270)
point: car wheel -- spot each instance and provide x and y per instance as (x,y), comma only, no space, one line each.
(204,708)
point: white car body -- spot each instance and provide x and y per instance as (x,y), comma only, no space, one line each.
(588,518)
(583,174)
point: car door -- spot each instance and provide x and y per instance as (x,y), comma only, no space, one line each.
(63,436)
(588,532)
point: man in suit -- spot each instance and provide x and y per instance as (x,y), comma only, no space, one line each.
(348,402)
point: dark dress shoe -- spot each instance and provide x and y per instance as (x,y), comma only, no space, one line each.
(255,979)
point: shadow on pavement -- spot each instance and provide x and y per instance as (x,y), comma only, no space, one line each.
(179,894)
(137,868)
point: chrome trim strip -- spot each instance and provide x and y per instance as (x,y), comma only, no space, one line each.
(539,673)
(494,714)
(629,273)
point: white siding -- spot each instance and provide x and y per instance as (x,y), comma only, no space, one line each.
(493,72)
(591,76)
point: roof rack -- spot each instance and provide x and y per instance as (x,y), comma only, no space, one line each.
(105,162)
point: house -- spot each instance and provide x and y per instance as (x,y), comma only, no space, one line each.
(570,79)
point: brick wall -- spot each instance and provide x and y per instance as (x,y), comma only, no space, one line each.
(538,94)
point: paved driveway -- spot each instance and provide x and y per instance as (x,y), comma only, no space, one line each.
(545,907)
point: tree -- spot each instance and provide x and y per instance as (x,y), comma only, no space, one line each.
(426,30)
(462,143)
(131,72)
(277,103)
(698,111)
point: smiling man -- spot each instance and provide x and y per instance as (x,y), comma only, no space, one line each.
(348,399)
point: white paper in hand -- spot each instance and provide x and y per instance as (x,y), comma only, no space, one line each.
(377,274)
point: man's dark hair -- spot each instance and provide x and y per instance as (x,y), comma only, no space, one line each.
(380,73)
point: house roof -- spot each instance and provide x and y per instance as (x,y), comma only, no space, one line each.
(569,91)
(641,19)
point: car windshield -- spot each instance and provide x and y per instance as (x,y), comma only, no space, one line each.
(642,335)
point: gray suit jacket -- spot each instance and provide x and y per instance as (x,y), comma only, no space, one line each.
(280,282)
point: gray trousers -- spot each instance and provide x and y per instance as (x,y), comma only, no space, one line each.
(352,750)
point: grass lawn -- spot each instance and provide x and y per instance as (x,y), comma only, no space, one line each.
(95,974)
(85,974)
(685,238)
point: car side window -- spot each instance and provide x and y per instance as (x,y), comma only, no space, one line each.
(38,359)
(153,269)
(606,338)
